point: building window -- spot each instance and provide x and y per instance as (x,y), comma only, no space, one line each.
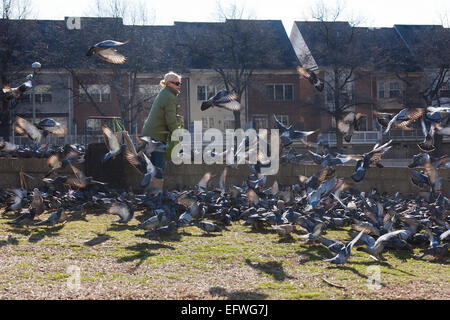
(260,122)
(98,92)
(228,123)
(280,92)
(381,94)
(204,92)
(394,90)
(147,92)
(93,124)
(284,119)
(42,94)
(208,122)
(363,124)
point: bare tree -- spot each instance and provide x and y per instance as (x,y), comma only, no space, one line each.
(122,79)
(337,48)
(14,32)
(234,48)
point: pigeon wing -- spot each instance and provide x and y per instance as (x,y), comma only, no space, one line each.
(112,56)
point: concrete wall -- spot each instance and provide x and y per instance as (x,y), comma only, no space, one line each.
(388,179)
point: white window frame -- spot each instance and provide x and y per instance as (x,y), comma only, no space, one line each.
(265,117)
(102,90)
(284,91)
(208,94)
(228,119)
(283,118)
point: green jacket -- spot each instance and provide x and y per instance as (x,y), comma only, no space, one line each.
(162,119)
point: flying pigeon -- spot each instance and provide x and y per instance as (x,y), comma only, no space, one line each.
(106,50)
(51,126)
(288,133)
(144,165)
(26,128)
(122,210)
(112,143)
(349,124)
(344,253)
(311,77)
(9,93)
(404,118)
(223,99)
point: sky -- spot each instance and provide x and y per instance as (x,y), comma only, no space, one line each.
(373,13)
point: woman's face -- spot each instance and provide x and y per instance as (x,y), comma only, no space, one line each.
(176,84)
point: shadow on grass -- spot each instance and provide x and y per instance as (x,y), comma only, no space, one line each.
(173,237)
(343,267)
(121,227)
(237,295)
(100,238)
(142,251)
(272,268)
(43,232)
(315,253)
(10,240)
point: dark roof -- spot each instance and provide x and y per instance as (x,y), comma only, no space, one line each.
(265,42)
(151,49)
(429,44)
(390,49)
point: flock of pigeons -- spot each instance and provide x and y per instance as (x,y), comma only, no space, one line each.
(311,206)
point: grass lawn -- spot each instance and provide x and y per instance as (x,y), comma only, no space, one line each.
(118,262)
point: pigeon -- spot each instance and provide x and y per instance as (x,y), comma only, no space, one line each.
(49,125)
(203,183)
(9,93)
(106,50)
(19,200)
(223,99)
(332,245)
(375,248)
(311,77)
(112,143)
(37,202)
(349,124)
(436,114)
(383,118)
(288,133)
(144,165)
(436,248)
(8,147)
(26,128)
(344,253)
(208,226)
(55,163)
(162,231)
(54,218)
(404,118)
(148,145)
(122,210)
(372,157)
(427,144)
(26,217)
(284,229)
(315,234)
(328,160)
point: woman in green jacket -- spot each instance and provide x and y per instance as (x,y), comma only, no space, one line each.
(163,120)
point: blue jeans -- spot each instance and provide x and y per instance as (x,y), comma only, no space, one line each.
(159,160)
